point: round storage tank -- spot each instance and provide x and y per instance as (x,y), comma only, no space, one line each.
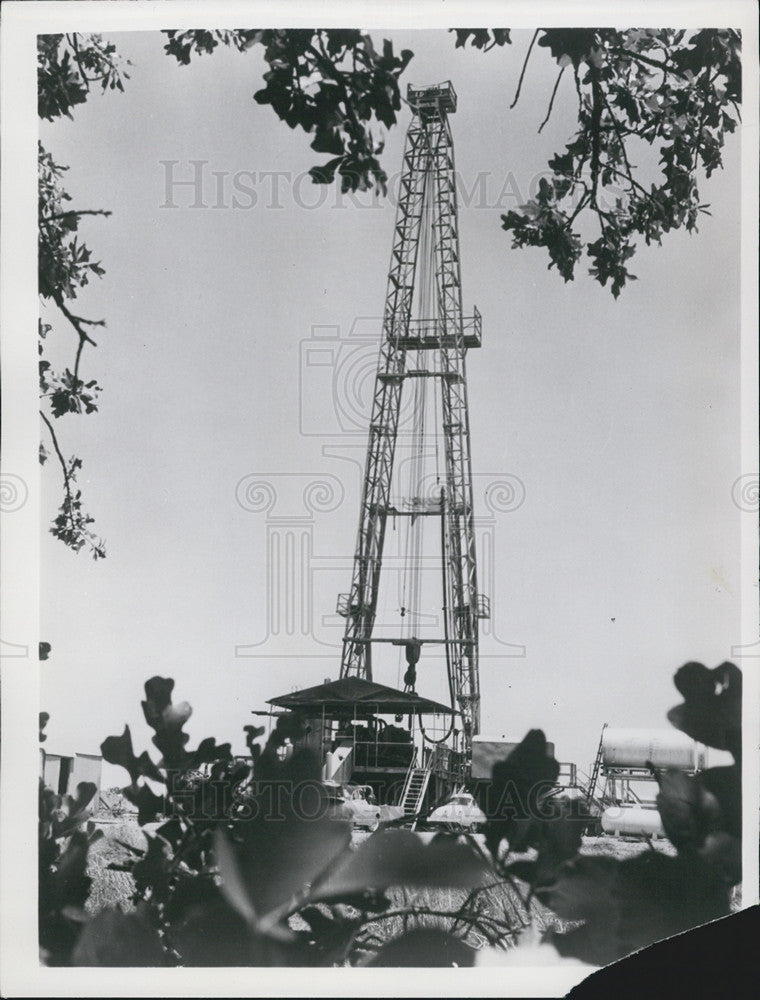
(663,747)
(632,821)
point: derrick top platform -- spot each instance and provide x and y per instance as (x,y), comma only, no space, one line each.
(439,97)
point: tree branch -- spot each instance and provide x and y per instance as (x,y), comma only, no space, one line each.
(580,206)
(524,67)
(628,177)
(61,459)
(551,102)
(663,67)
(72,40)
(616,127)
(596,118)
(77,322)
(578,88)
(80,211)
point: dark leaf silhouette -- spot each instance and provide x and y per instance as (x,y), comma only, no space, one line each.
(116,939)
(279,853)
(726,785)
(118,750)
(573,44)
(425,948)
(149,804)
(265,876)
(701,815)
(158,697)
(482,38)
(557,835)
(711,710)
(151,872)
(582,889)
(660,896)
(688,811)
(330,933)
(398,857)
(626,905)
(213,934)
(514,798)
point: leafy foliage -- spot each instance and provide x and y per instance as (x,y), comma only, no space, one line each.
(65,265)
(674,90)
(677,91)
(65,836)
(482,38)
(334,84)
(67,67)
(711,712)
(246,864)
(625,905)
(241,848)
(72,523)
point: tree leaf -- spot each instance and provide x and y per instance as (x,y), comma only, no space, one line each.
(116,939)
(711,712)
(233,884)
(687,810)
(118,750)
(582,889)
(149,804)
(725,784)
(398,857)
(512,800)
(574,44)
(158,695)
(279,853)
(627,905)
(213,934)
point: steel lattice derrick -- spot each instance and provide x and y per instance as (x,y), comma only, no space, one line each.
(428,173)
(460,525)
(383,427)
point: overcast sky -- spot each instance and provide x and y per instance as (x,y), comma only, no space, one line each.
(617,421)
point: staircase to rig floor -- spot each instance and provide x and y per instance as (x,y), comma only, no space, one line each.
(413,794)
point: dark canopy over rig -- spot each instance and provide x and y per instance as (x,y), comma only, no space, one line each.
(357,696)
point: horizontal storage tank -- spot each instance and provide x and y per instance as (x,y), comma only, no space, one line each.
(663,747)
(632,821)
(489,750)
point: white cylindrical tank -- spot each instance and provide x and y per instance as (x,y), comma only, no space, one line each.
(632,821)
(663,747)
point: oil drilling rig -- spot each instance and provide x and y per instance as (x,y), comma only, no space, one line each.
(420,395)
(425,337)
